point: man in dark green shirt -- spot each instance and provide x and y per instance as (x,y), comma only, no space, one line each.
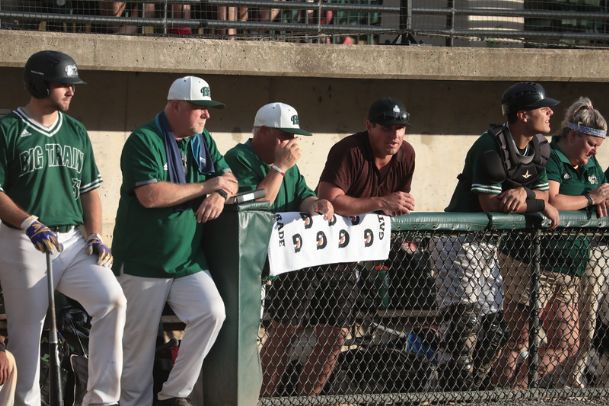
(268,161)
(504,171)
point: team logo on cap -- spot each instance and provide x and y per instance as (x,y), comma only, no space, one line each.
(71,70)
(205,91)
(396,109)
(295,119)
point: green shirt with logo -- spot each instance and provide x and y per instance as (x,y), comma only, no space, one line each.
(159,242)
(250,170)
(570,255)
(44,170)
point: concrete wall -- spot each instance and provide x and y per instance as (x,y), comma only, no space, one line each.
(452,94)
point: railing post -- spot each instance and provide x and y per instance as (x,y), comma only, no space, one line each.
(165,17)
(534,311)
(405,27)
(450,22)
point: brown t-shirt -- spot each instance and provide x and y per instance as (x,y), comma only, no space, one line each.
(350,166)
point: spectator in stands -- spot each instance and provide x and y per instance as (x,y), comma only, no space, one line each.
(268,161)
(577,182)
(147,10)
(226,13)
(8,375)
(127,9)
(504,172)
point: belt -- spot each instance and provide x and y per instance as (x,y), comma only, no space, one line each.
(57,229)
(64,228)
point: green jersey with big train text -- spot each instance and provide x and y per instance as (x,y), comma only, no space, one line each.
(44,170)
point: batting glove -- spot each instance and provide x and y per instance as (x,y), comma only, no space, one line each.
(96,246)
(42,237)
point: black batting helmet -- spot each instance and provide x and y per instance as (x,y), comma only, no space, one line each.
(525,96)
(45,67)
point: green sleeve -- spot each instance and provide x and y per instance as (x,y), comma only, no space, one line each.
(90,176)
(3,158)
(302,190)
(542,181)
(480,183)
(247,168)
(219,163)
(553,169)
(142,161)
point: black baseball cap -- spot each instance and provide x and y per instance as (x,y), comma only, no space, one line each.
(388,111)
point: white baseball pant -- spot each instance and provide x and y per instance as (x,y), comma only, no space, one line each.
(196,301)
(466,272)
(77,275)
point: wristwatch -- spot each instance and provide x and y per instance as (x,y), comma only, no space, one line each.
(222,193)
(589,198)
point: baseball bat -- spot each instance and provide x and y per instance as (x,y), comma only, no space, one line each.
(55,392)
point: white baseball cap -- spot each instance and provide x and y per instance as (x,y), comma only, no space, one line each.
(193,90)
(280,116)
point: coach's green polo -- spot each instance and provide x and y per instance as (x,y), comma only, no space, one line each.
(251,170)
(573,182)
(158,242)
(570,254)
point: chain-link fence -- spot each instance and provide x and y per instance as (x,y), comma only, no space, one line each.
(464,310)
(516,23)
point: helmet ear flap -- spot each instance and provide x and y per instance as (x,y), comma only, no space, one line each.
(38,88)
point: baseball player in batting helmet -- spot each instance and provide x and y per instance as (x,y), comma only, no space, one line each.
(48,196)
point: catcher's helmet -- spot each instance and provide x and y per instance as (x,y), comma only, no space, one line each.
(46,67)
(525,96)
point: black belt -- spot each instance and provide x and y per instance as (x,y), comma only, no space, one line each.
(62,228)
(57,229)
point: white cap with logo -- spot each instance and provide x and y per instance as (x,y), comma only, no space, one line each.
(193,90)
(280,116)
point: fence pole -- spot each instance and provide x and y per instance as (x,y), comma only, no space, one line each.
(450,22)
(534,312)
(405,27)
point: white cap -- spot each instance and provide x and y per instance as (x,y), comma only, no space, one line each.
(193,90)
(280,116)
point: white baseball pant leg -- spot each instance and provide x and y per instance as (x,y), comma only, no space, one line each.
(196,301)
(466,272)
(24,283)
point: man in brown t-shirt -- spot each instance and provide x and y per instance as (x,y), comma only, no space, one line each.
(366,172)
(372,170)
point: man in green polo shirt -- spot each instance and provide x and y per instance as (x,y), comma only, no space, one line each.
(268,161)
(174,179)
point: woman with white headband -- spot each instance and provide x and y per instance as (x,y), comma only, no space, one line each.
(577,182)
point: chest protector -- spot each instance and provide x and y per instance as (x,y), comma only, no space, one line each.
(521,170)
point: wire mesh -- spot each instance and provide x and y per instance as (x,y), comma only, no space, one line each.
(489,23)
(447,318)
